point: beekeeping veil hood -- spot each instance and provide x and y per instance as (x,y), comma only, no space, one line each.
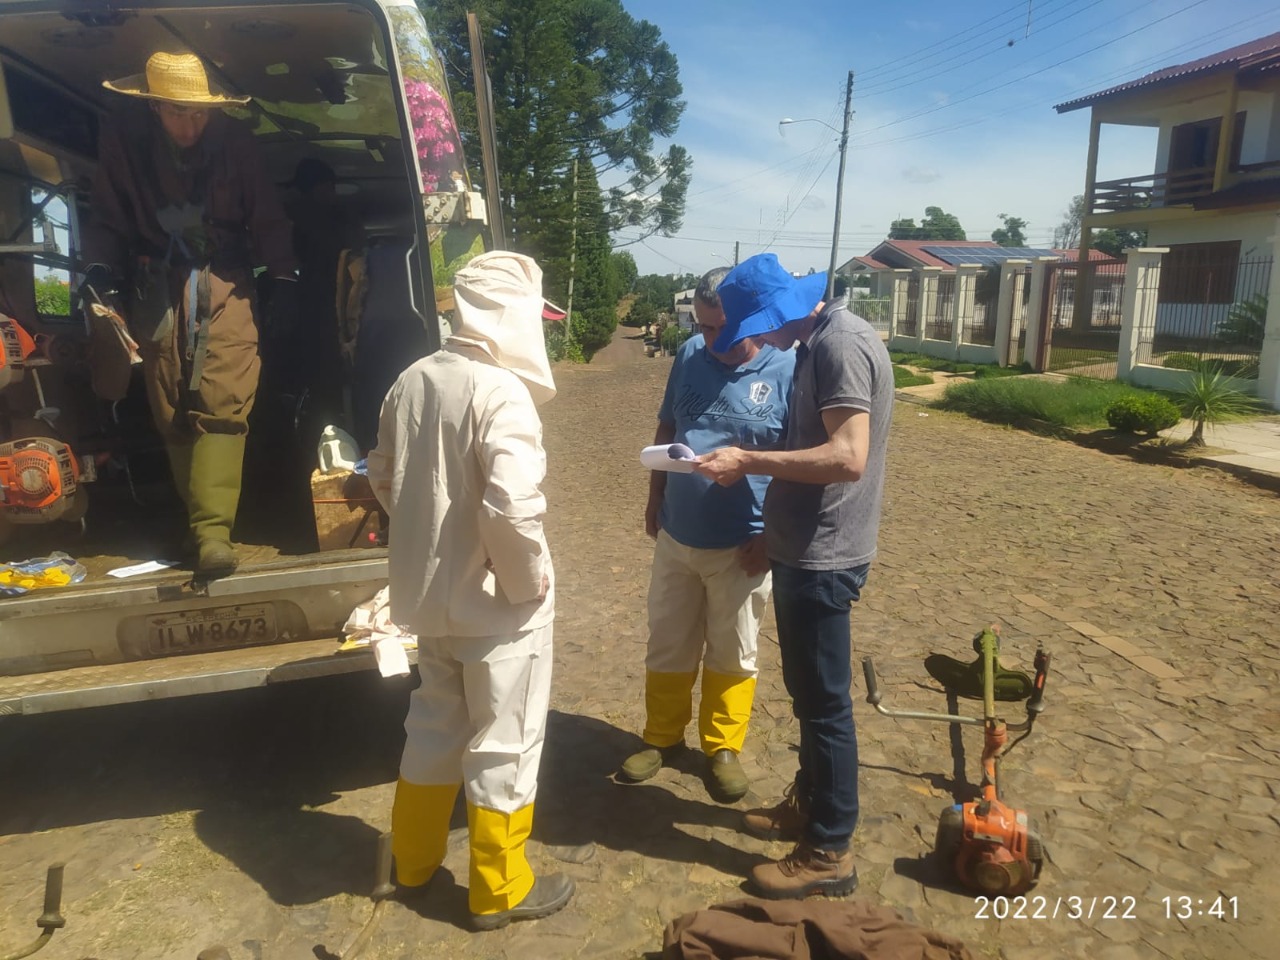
(498,309)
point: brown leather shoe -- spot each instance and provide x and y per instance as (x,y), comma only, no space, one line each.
(785,821)
(806,871)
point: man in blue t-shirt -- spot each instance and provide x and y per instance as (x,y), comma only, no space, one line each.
(710,580)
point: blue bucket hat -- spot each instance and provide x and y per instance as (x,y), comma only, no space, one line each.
(758,295)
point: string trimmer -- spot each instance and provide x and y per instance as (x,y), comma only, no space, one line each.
(988,846)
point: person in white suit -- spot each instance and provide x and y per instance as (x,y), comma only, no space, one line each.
(458,468)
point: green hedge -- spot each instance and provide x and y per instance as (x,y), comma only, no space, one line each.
(1145,414)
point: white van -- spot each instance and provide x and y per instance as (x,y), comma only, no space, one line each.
(355,85)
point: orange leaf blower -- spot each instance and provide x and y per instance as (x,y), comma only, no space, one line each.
(985,844)
(40,477)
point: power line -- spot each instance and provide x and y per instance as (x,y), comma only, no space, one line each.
(949,41)
(963,56)
(1027,76)
(1040,101)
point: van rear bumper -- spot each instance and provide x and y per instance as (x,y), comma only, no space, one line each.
(216,672)
(66,648)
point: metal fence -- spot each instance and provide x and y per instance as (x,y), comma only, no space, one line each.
(1082,336)
(910,326)
(1021,314)
(1212,310)
(939,323)
(986,299)
(873,310)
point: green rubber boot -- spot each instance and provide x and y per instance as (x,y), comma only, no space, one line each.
(214,493)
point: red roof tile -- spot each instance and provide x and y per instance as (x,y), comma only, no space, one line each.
(1256,53)
(1095,256)
(870,263)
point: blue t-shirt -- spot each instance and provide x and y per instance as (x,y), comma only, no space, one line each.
(713,405)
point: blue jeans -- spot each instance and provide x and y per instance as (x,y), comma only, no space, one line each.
(812,611)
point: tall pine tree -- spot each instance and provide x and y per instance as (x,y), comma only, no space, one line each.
(571,77)
(597,286)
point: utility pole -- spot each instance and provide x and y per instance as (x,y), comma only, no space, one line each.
(844,144)
(735,253)
(573,257)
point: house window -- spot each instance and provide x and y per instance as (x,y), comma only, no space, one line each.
(1193,154)
(1200,272)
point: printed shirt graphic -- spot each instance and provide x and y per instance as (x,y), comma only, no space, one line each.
(713,405)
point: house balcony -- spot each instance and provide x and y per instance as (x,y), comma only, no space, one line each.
(1116,201)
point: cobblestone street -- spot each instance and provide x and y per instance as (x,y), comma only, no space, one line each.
(249,819)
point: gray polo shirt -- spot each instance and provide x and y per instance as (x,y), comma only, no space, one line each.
(833,526)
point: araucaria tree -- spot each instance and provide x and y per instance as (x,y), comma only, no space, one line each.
(571,78)
(597,284)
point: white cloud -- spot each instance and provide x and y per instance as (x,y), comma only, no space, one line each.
(920,174)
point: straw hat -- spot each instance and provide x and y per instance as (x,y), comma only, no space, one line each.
(174,78)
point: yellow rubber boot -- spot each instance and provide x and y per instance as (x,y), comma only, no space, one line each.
(420,829)
(725,711)
(500,875)
(668,704)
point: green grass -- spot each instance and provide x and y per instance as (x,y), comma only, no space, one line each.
(1078,403)
(902,377)
(926,362)
(989,371)
(977,370)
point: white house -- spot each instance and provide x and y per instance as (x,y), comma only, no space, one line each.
(1210,196)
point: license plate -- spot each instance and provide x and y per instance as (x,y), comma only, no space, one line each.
(214,628)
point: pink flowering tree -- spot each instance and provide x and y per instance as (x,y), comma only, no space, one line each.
(439,151)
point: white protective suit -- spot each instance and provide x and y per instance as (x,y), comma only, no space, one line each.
(458,467)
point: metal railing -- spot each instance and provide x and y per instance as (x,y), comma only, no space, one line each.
(911,315)
(986,299)
(1221,324)
(939,323)
(874,310)
(1084,334)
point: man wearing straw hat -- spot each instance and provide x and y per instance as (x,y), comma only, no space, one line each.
(183,210)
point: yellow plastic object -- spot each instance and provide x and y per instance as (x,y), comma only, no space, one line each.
(56,570)
(668,703)
(500,875)
(420,828)
(725,710)
(53,577)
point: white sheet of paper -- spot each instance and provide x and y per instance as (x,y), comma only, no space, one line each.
(390,656)
(137,569)
(672,457)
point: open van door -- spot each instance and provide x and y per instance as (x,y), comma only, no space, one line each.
(356,84)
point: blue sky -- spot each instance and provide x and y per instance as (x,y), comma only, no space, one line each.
(953,107)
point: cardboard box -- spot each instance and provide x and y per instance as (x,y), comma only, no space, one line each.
(345,509)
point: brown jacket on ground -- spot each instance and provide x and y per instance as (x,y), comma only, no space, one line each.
(804,930)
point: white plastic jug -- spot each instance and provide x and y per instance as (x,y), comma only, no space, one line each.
(337,452)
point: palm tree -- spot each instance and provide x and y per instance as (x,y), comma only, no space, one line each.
(1210,398)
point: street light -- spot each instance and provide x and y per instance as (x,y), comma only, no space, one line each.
(844,145)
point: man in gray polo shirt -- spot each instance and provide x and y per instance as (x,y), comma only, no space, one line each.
(821,517)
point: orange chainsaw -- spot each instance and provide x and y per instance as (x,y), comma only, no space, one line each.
(987,845)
